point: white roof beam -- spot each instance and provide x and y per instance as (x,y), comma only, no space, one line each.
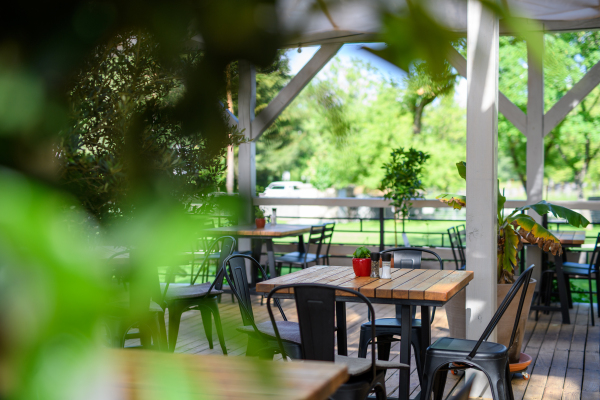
(267,116)
(572,99)
(505,106)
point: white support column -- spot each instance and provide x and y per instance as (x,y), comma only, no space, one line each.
(482,172)
(482,165)
(247,151)
(535,138)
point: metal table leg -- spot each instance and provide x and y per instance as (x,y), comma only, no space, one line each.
(271,258)
(404,384)
(342,338)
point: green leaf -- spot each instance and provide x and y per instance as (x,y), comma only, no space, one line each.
(511,243)
(453,200)
(542,208)
(362,252)
(501,201)
(462,169)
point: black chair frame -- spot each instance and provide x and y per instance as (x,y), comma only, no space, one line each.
(322,326)
(207,303)
(259,344)
(496,368)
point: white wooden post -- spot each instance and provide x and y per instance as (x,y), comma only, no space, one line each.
(482,171)
(482,166)
(535,138)
(247,151)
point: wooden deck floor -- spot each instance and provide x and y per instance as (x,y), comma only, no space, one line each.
(566,362)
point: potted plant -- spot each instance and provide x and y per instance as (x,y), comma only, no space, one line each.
(402,181)
(259,216)
(514,229)
(361,261)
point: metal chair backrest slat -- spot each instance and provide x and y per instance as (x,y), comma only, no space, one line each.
(315,237)
(238,283)
(315,304)
(457,250)
(328,235)
(521,282)
(411,257)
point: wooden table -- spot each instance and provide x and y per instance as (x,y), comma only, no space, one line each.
(138,374)
(266,234)
(407,288)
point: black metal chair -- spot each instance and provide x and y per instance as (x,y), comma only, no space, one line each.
(327,237)
(124,324)
(261,337)
(573,270)
(386,329)
(315,304)
(302,259)
(490,358)
(457,249)
(203,297)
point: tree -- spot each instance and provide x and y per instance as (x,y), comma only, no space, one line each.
(423,87)
(402,180)
(121,100)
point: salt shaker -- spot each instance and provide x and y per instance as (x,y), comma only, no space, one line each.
(274,217)
(374,265)
(386,266)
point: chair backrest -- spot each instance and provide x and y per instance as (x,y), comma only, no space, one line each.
(595,258)
(521,282)
(315,238)
(328,235)
(234,270)
(410,257)
(315,304)
(457,250)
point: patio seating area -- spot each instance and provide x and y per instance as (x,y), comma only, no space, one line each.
(565,357)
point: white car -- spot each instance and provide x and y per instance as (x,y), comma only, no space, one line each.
(284,189)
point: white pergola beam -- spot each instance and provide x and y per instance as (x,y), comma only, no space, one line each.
(505,106)
(293,88)
(572,99)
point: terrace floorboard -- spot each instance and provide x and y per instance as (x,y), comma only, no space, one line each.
(565,366)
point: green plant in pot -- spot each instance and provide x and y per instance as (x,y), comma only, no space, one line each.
(514,229)
(402,181)
(361,261)
(259,216)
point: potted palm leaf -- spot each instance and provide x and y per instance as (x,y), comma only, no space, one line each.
(514,229)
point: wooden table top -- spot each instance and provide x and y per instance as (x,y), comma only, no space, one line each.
(567,237)
(143,374)
(279,230)
(413,284)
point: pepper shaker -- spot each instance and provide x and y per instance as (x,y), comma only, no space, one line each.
(274,217)
(375,265)
(386,265)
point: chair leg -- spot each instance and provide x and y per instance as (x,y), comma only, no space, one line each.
(598,291)
(591,300)
(428,378)
(214,308)
(363,343)
(496,373)
(207,323)
(416,342)
(509,390)
(163,340)
(439,383)
(569,294)
(384,345)
(175,312)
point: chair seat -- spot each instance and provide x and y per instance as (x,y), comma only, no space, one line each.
(358,366)
(288,330)
(187,291)
(123,305)
(296,258)
(460,349)
(572,268)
